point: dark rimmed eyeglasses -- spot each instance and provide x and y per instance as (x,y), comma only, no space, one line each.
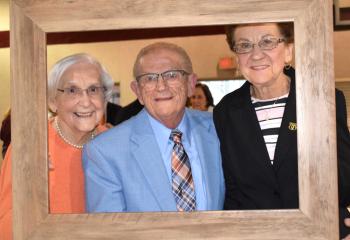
(264,44)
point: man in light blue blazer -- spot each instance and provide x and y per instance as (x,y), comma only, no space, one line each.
(130,168)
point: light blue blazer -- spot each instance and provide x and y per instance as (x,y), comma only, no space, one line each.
(124,170)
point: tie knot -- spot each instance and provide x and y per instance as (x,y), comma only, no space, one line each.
(176,136)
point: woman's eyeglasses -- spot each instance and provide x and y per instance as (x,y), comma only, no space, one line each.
(74,92)
(264,44)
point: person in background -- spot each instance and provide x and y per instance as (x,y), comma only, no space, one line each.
(202,99)
(257,126)
(78,89)
(167,157)
(5,132)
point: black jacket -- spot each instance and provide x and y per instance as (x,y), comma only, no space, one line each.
(117,114)
(251,181)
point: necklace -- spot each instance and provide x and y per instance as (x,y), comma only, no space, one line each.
(259,103)
(66,140)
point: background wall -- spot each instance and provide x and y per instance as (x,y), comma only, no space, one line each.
(342,55)
(4,60)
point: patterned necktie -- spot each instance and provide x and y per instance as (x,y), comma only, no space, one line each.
(182,185)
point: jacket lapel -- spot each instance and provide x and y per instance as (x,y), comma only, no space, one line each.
(146,152)
(250,130)
(287,133)
(205,143)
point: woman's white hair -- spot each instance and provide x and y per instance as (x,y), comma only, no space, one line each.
(55,75)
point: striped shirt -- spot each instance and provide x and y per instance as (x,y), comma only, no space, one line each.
(270,113)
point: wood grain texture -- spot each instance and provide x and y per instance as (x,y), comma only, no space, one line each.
(77,15)
(316,125)
(29,128)
(317,216)
(200,225)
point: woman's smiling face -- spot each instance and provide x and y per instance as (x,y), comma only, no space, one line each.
(79,115)
(262,67)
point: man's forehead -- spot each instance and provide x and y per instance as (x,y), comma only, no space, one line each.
(163,52)
(161,57)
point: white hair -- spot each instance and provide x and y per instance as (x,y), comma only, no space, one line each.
(60,67)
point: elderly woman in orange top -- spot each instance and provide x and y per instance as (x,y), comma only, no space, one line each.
(79,87)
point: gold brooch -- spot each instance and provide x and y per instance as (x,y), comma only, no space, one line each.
(292,126)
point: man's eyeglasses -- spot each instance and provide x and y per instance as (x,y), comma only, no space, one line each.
(150,80)
(74,92)
(264,44)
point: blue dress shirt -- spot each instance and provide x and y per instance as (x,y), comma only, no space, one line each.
(162,134)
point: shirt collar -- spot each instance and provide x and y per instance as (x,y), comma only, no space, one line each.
(162,133)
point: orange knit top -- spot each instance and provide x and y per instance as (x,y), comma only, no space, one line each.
(66,181)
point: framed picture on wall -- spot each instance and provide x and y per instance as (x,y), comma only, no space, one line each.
(341,14)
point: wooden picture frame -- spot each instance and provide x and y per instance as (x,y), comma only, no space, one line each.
(317,217)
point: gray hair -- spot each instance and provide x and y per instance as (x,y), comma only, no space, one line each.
(187,64)
(62,65)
